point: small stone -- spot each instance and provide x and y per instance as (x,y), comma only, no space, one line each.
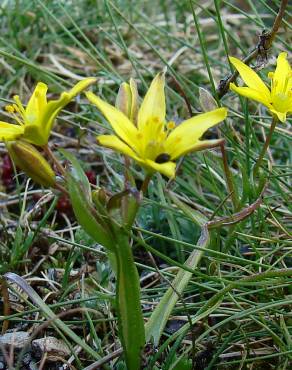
(33,366)
(26,359)
(52,346)
(17,339)
(174,325)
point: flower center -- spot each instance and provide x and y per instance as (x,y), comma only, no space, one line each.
(282,102)
(153,137)
(153,148)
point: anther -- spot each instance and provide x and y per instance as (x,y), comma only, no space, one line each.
(9,108)
(170,125)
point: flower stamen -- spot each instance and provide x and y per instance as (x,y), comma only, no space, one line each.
(9,109)
(170,125)
(12,109)
(19,105)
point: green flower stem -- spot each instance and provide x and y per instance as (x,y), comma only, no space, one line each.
(265,147)
(130,318)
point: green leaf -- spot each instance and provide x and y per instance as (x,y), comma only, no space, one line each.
(130,318)
(77,172)
(86,215)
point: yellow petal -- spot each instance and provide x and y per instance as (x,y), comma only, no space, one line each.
(67,96)
(153,104)
(281,75)
(250,77)
(201,145)
(113,142)
(37,102)
(79,87)
(252,94)
(167,168)
(39,131)
(280,115)
(186,135)
(54,106)
(10,132)
(122,126)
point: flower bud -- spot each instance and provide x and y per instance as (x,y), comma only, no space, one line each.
(207,101)
(99,196)
(123,207)
(127,100)
(29,160)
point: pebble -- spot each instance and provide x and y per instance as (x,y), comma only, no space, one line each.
(52,346)
(16,339)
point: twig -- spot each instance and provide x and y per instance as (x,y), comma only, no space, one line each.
(183,95)
(239,216)
(264,44)
(56,162)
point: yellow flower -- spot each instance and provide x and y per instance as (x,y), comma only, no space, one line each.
(34,123)
(153,143)
(278,99)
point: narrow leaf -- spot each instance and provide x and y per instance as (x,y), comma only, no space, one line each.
(131,325)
